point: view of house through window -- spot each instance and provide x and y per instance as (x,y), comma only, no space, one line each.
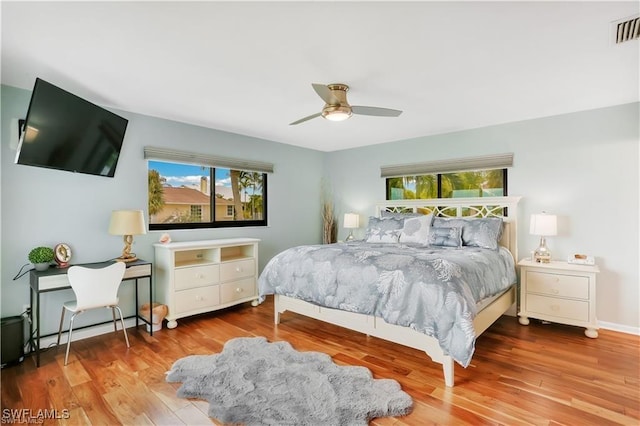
(183,196)
(480,183)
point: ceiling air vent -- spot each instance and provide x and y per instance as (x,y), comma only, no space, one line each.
(626,29)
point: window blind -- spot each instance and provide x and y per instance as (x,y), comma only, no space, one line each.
(164,154)
(496,161)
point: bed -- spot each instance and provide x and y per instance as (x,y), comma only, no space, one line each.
(429,274)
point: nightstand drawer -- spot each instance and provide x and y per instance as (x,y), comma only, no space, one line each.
(576,287)
(560,308)
(198,276)
(196,299)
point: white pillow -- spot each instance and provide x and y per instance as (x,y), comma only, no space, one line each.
(416,229)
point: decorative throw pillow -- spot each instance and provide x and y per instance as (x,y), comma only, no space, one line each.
(446,236)
(383,230)
(416,229)
(484,232)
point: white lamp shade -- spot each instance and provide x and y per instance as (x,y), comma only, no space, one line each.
(543,224)
(127,222)
(351,220)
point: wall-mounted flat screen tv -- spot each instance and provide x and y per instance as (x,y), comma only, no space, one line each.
(65,132)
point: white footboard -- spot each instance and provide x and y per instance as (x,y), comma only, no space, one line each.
(377,327)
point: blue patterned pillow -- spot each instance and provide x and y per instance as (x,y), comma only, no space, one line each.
(385,230)
(416,229)
(484,232)
(446,236)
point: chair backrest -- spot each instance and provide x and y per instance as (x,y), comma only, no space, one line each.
(96,287)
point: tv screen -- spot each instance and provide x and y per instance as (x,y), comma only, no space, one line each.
(65,132)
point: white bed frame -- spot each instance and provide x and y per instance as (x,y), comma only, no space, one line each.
(377,327)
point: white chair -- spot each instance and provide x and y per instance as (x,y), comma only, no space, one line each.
(94,288)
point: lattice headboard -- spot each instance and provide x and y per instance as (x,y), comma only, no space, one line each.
(505,207)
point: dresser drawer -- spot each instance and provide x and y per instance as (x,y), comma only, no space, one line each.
(196,299)
(237,290)
(237,269)
(576,310)
(573,286)
(196,276)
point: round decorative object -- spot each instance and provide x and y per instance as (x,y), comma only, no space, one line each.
(62,254)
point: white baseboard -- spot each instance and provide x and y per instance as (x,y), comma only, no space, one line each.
(97,330)
(601,324)
(85,333)
(619,327)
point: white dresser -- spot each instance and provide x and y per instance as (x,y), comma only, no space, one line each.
(559,292)
(193,277)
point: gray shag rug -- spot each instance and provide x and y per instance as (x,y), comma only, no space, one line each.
(254,382)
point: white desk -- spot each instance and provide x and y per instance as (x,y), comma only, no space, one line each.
(55,279)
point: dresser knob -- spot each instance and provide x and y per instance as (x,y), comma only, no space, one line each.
(238,290)
(238,269)
(555,291)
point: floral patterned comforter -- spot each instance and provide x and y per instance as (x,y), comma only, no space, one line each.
(433,290)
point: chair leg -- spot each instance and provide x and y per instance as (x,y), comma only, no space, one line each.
(113,314)
(60,329)
(124,329)
(66,355)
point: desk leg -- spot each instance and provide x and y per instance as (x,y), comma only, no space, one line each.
(150,307)
(37,325)
(137,306)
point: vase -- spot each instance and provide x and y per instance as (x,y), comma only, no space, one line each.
(41,266)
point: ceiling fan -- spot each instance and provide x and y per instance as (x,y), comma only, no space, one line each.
(338,109)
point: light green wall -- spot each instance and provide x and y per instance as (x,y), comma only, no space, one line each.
(581,166)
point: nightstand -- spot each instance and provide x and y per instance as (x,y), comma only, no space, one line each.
(559,292)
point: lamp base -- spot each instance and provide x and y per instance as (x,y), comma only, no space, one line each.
(542,253)
(132,258)
(542,258)
(350,237)
(127,256)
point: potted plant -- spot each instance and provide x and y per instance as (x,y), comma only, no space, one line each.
(41,257)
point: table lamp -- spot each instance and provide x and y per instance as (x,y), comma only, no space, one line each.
(351,221)
(127,223)
(544,225)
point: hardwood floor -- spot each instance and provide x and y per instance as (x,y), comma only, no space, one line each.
(542,374)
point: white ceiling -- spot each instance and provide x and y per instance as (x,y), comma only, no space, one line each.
(248,67)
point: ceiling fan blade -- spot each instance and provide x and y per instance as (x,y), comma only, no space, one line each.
(325,93)
(380,112)
(302,120)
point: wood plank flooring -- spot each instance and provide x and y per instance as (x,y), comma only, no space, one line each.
(542,374)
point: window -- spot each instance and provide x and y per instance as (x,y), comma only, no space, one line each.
(187,196)
(480,183)
(196,213)
(457,178)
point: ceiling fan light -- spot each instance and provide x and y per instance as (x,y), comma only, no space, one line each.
(336,112)
(337,115)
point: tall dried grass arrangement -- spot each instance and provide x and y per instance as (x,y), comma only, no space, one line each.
(329,225)
(329,228)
